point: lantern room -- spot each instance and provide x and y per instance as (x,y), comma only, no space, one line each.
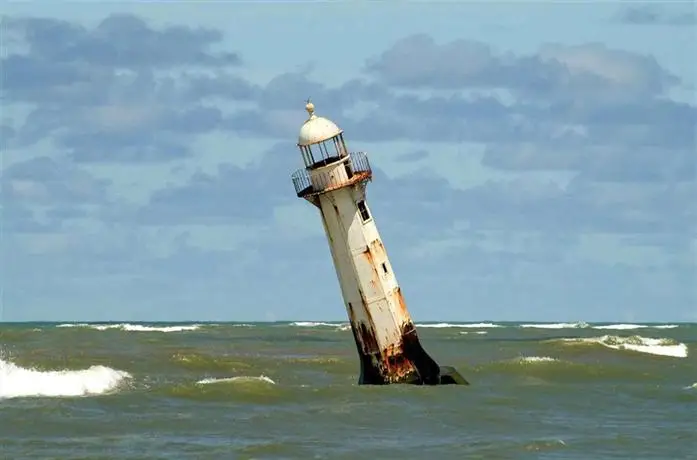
(321,141)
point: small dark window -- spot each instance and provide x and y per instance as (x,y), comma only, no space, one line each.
(365,215)
(384,267)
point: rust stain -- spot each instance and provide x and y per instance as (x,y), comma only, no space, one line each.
(400,304)
(368,338)
(378,249)
(367,332)
(375,278)
(368,255)
(357,177)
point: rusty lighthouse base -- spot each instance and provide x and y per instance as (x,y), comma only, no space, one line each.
(408,364)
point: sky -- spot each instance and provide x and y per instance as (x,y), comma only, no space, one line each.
(532,161)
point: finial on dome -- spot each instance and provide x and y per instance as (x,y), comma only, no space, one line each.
(310,107)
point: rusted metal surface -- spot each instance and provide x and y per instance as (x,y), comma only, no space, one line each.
(339,173)
(386,340)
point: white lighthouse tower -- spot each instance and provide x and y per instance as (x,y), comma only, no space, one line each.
(334,180)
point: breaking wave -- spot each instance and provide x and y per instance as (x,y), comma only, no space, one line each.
(464,325)
(337,326)
(536,359)
(578,325)
(313,324)
(134,327)
(19,382)
(653,346)
(624,327)
(240,379)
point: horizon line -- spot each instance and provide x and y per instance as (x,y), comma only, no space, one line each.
(343,321)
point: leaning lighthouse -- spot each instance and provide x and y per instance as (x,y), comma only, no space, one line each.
(334,180)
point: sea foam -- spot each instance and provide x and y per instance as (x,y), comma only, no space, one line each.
(536,359)
(240,378)
(649,345)
(462,325)
(18,382)
(313,324)
(577,325)
(134,327)
(625,327)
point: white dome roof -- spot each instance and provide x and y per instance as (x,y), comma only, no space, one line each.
(316,129)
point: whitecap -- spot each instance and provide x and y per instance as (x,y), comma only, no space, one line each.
(462,325)
(240,378)
(536,359)
(134,327)
(313,324)
(17,381)
(628,327)
(649,345)
(555,325)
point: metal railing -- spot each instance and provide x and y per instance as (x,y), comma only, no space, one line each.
(357,168)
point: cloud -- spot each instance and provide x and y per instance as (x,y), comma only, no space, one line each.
(120,40)
(117,92)
(231,195)
(587,174)
(45,180)
(654,15)
(417,61)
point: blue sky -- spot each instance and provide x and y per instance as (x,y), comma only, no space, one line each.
(531,161)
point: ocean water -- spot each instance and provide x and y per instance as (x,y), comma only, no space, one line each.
(288,391)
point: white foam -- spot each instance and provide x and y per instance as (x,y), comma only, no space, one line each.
(555,325)
(625,327)
(17,382)
(241,378)
(133,327)
(691,387)
(653,346)
(313,324)
(537,359)
(463,325)
(473,332)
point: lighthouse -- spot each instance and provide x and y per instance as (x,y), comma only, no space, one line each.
(334,180)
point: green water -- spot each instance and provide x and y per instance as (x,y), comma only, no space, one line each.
(285,391)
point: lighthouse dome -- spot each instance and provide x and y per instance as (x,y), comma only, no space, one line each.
(316,129)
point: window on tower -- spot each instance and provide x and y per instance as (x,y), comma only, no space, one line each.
(363,209)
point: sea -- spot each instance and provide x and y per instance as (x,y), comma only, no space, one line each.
(288,390)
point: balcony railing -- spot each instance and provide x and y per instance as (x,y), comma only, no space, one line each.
(357,169)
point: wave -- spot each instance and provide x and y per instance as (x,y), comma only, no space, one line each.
(463,325)
(691,387)
(18,382)
(313,324)
(536,359)
(578,325)
(133,327)
(544,368)
(624,327)
(653,346)
(473,332)
(240,378)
